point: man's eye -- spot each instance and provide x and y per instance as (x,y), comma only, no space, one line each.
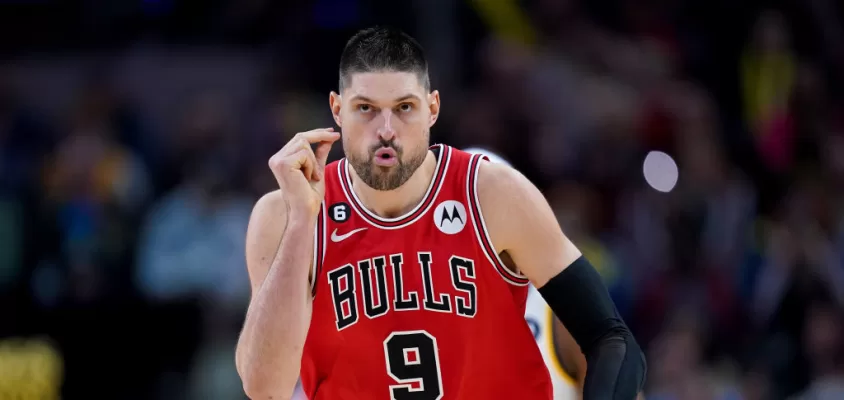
(364,108)
(406,107)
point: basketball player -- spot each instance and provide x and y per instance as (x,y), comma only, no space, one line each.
(562,355)
(401,271)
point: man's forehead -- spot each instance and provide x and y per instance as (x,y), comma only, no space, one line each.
(384,85)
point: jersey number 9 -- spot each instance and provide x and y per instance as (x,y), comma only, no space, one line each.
(413,362)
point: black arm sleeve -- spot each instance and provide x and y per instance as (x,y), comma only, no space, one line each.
(616,366)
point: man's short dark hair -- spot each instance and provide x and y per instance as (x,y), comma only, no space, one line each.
(383,49)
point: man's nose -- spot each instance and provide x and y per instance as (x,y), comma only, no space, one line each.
(386,129)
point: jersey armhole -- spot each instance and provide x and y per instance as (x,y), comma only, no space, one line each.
(319,249)
(480,226)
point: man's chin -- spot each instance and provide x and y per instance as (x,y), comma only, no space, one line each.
(384,182)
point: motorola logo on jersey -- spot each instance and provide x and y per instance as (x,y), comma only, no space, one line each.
(450,217)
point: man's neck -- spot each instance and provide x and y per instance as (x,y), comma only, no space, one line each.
(397,202)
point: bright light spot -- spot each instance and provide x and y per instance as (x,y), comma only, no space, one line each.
(660,171)
(492,156)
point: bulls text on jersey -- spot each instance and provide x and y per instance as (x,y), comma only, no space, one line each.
(462,300)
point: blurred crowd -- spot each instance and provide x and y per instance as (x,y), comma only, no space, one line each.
(129,163)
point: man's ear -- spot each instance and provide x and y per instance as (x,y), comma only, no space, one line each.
(334,101)
(434,106)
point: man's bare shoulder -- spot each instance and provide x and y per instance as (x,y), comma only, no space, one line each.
(501,186)
(503,193)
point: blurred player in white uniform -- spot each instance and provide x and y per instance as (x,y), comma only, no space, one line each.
(562,355)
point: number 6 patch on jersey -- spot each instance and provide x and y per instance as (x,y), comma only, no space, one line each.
(339,212)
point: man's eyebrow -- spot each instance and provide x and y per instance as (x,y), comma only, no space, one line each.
(408,96)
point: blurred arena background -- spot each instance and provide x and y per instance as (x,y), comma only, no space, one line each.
(134,138)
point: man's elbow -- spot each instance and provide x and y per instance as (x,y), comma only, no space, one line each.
(259,385)
(616,366)
(618,353)
(258,388)
(264,394)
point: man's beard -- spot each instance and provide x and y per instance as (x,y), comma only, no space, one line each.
(383,178)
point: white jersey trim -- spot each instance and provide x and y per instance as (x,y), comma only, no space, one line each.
(481,232)
(319,247)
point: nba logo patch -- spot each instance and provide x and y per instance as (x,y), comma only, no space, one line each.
(450,217)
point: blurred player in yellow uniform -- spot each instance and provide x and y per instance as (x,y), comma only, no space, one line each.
(562,355)
(30,369)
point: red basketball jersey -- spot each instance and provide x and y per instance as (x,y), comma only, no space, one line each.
(417,307)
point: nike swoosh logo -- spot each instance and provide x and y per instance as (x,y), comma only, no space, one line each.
(339,238)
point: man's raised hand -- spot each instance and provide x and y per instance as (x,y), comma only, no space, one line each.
(300,170)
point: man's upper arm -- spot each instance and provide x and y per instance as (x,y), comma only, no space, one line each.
(263,237)
(521,223)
